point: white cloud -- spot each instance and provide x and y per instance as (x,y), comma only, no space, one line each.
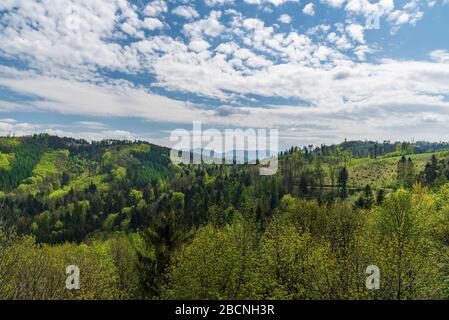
(272,2)
(348,92)
(341,42)
(285,18)
(209,26)
(104,99)
(217,2)
(253,24)
(152,24)
(227,48)
(366,8)
(90,135)
(355,31)
(355,100)
(91,125)
(400,17)
(45,34)
(280,2)
(309,9)
(334,3)
(361,51)
(99,132)
(441,56)
(199,45)
(129,29)
(8,120)
(410,13)
(17,128)
(187,12)
(156,8)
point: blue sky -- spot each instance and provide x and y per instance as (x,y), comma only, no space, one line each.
(316,70)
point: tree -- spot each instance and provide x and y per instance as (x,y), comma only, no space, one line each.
(347,157)
(402,171)
(410,173)
(431,170)
(303,184)
(292,265)
(404,254)
(319,172)
(218,264)
(178,200)
(29,271)
(366,200)
(380,196)
(165,236)
(342,182)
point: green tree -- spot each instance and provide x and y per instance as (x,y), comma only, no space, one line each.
(410,173)
(218,264)
(402,171)
(405,255)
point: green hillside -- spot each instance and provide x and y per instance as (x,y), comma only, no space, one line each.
(45,164)
(140,227)
(382,172)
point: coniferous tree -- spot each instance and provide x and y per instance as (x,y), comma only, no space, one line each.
(410,173)
(402,171)
(366,200)
(431,170)
(380,196)
(303,184)
(342,182)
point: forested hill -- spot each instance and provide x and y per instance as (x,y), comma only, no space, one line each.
(122,208)
(33,164)
(43,177)
(102,184)
(373,149)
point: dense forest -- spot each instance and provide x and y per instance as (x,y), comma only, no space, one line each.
(141,227)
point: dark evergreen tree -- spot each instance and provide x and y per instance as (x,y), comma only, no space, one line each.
(431,170)
(342,182)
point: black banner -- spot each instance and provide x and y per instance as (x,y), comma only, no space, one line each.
(193,310)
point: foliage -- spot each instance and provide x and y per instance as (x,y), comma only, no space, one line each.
(140,227)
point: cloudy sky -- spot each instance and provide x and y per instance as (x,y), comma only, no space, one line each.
(319,71)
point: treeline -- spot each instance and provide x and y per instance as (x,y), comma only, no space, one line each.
(306,251)
(374,149)
(312,251)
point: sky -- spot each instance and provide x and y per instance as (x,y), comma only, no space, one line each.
(318,71)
